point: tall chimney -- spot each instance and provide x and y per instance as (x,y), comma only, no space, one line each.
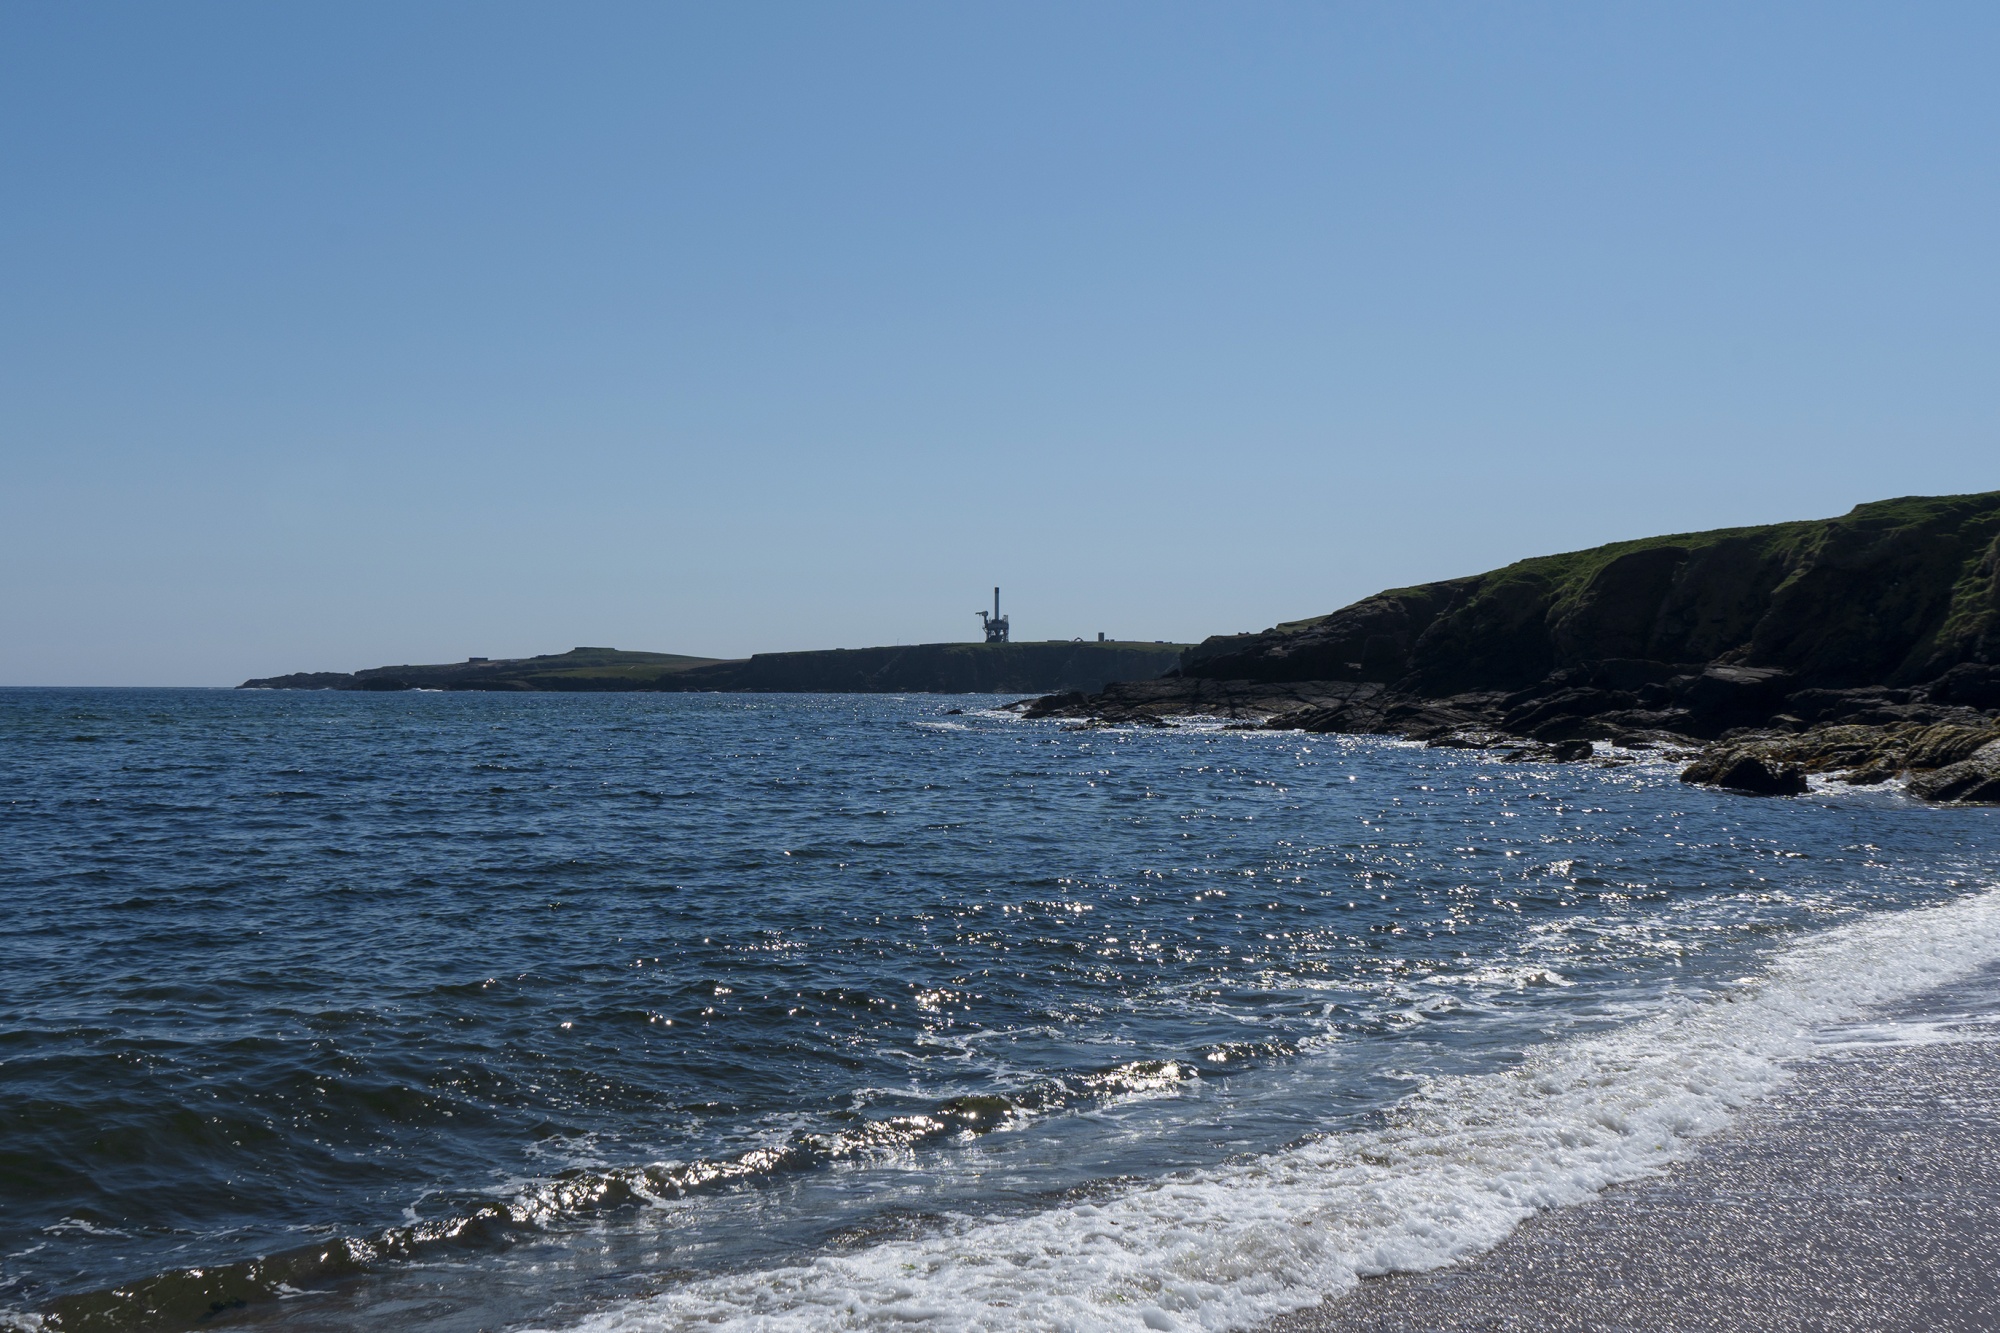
(996,603)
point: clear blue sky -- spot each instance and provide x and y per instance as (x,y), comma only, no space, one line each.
(341,334)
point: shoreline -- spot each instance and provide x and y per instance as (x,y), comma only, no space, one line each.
(1859,1196)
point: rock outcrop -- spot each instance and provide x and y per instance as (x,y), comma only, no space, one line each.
(1747,772)
(1949,762)
(1973,779)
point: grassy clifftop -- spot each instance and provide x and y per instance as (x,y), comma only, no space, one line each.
(1896,592)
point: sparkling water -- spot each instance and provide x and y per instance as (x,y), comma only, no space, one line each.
(474,1011)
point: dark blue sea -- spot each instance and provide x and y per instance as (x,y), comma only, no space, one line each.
(470,1011)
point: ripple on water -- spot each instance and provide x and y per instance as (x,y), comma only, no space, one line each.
(569,997)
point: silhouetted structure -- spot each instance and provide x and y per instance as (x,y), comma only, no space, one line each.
(995,624)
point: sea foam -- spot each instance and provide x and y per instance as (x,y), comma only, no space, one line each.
(1449,1174)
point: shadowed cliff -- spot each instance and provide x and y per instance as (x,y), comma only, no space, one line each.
(1886,618)
(1893,593)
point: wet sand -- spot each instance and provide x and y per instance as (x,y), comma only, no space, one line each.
(1863,1196)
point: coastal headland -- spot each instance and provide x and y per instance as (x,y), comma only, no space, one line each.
(1866,645)
(927,668)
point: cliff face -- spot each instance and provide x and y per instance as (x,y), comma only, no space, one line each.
(1893,594)
(1887,617)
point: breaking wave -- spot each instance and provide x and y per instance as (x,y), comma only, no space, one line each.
(1447,1174)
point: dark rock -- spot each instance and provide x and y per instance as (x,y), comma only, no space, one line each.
(1947,761)
(1875,705)
(1970,684)
(1848,746)
(1632,674)
(1975,780)
(1744,770)
(1816,705)
(1562,752)
(1675,722)
(1944,745)
(1722,697)
(1054,705)
(1556,713)
(1459,740)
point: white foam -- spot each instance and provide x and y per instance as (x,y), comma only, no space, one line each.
(1945,1030)
(1458,1167)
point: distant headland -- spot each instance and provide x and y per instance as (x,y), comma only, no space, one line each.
(996,667)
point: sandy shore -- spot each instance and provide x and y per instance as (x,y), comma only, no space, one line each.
(1863,1196)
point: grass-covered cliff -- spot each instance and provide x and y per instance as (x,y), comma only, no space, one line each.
(1894,593)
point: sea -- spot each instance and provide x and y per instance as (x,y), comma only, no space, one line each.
(452,1011)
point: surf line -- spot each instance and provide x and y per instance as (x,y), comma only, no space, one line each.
(1448,1174)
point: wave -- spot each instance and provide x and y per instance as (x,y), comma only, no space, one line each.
(172,1299)
(1448,1174)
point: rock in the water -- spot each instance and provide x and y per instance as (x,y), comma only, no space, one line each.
(1557,752)
(1053,705)
(1747,771)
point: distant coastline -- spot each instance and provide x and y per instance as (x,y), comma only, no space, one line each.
(1865,646)
(929,668)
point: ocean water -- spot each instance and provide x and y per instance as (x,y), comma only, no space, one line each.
(460,1011)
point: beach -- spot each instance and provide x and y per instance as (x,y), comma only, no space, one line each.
(1865,1195)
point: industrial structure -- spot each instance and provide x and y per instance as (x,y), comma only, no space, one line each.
(995,625)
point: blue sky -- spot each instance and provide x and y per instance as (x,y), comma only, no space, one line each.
(337,335)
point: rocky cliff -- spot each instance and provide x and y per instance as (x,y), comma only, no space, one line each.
(1888,616)
(1892,594)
